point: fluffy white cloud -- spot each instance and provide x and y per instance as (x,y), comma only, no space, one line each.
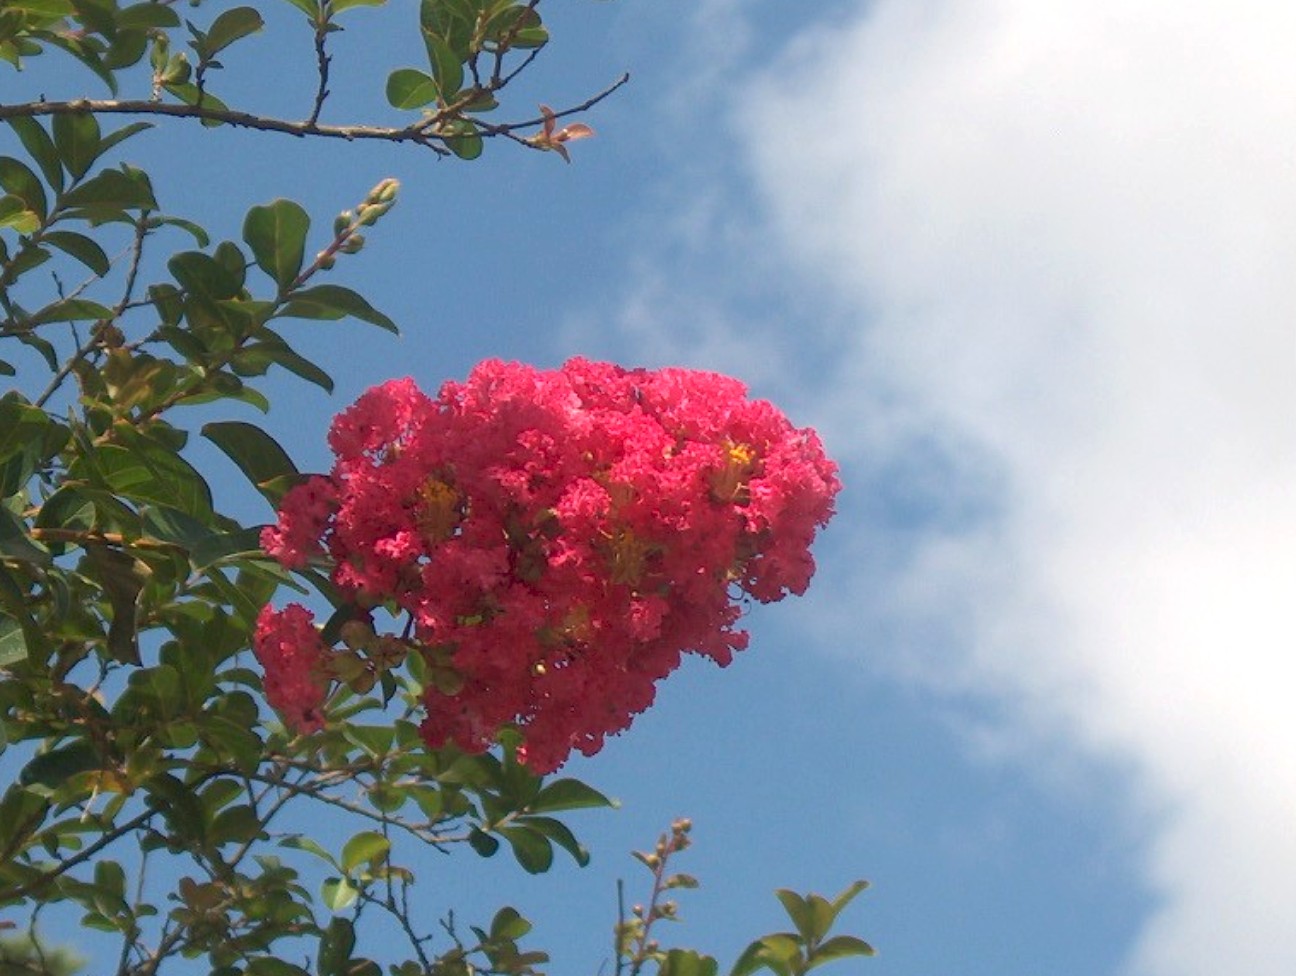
(1072,226)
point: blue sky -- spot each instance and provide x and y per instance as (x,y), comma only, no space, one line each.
(1026,266)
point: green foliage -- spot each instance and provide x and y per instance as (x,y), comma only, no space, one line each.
(128,595)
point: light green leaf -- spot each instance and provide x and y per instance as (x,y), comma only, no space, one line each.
(364,848)
(13,646)
(339,893)
(839,947)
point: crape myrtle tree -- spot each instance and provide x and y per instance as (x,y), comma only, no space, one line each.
(503,568)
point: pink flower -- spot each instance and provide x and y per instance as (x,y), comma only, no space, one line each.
(564,536)
(294,657)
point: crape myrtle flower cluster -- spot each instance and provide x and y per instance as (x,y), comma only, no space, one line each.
(555,540)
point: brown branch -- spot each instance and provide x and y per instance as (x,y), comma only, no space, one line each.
(415,132)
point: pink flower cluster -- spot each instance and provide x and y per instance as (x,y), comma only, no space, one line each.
(559,538)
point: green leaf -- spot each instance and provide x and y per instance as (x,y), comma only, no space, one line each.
(410,88)
(71,310)
(21,424)
(687,962)
(364,848)
(144,15)
(301,842)
(15,213)
(311,8)
(52,769)
(257,454)
(121,135)
(17,179)
(16,542)
(560,834)
(76,136)
(235,825)
(270,966)
(339,893)
(839,947)
(148,472)
(568,794)
(337,943)
(508,924)
(80,247)
(462,138)
(798,909)
(531,848)
(41,148)
(341,5)
(334,302)
(848,895)
(203,277)
(276,233)
(190,94)
(775,952)
(113,189)
(447,69)
(230,26)
(482,842)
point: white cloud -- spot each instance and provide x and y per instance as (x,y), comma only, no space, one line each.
(1073,227)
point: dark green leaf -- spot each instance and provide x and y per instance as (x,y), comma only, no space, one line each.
(270,966)
(76,137)
(80,247)
(17,179)
(257,454)
(122,578)
(531,848)
(113,189)
(235,825)
(482,842)
(276,233)
(41,148)
(334,302)
(20,425)
(410,88)
(17,544)
(203,277)
(122,134)
(52,769)
(336,945)
(560,834)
